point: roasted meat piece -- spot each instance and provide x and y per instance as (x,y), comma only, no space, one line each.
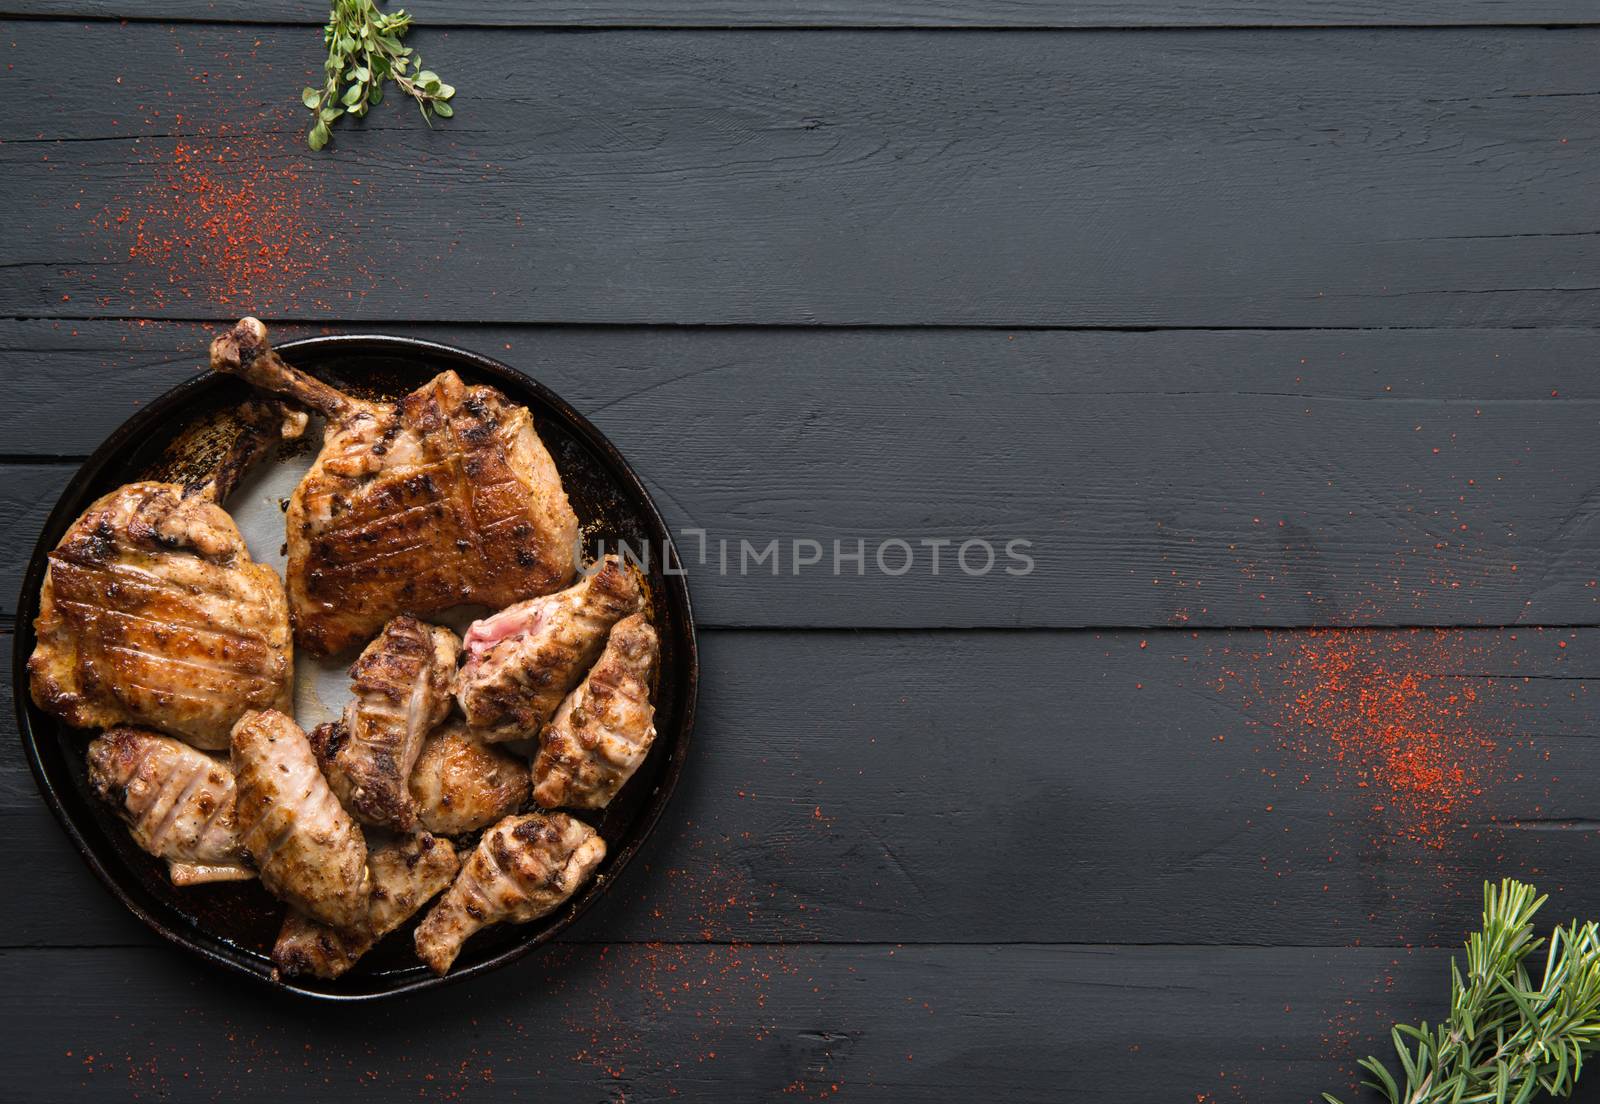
(152,612)
(604,728)
(461,784)
(402,691)
(522,869)
(444,498)
(177,802)
(406,874)
(309,852)
(522,661)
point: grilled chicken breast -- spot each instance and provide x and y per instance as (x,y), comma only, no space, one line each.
(402,687)
(461,784)
(522,661)
(309,852)
(152,612)
(525,867)
(177,802)
(605,727)
(444,498)
(406,874)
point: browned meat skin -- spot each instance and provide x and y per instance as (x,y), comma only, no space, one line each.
(152,612)
(406,874)
(461,784)
(402,691)
(525,867)
(522,661)
(310,853)
(604,729)
(177,802)
(443,499)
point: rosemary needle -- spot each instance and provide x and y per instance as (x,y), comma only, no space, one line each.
(1506,1039)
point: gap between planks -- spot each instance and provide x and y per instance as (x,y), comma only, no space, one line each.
(482,322)
(890,27)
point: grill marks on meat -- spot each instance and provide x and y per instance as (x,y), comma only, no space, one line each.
(401,684)
(178,803)
(448,497)
(460,784)
(406,874)
(605,727)
(525,867)
(308,850)
(524,660)
(152,612)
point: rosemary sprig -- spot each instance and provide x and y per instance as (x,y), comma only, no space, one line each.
(1506,1039)
(364,48)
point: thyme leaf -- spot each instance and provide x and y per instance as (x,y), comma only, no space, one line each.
(364,50)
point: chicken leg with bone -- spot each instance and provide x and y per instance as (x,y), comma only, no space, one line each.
(444,498)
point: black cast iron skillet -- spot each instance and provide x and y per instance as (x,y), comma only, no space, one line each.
(234,924)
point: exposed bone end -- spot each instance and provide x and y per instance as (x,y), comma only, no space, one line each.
(272,419)
(236,350)
(245,352)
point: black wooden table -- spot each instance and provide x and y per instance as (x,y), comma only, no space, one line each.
(1249,318)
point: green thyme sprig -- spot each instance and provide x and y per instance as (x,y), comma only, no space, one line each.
(1506,1038)
(364,49)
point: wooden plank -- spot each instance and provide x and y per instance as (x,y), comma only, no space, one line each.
(1110,1024)
(1199,477)
(861,13)
(1072,787)
(1257,178)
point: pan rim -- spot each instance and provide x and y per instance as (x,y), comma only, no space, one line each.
(208,945)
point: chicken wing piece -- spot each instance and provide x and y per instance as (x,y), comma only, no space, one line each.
(152,612)
(605,727)
(444,498)
(522,661)
(310,853)
(177,802)
(402,687)
(406,874)
(461,784)
(525,867)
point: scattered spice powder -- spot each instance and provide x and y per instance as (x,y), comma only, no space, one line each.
(1392,714)
(231,216)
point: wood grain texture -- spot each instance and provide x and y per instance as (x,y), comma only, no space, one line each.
(1217,478)
(861,13)
(919,1024)
(1256,178)
(1057,788)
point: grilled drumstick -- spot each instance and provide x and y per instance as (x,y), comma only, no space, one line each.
(177,802)
(522,661)
(308,850)
(152,612)
(604,729)
(444,498)
(406,875)
(523,868)
(402,691)
(461,784)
